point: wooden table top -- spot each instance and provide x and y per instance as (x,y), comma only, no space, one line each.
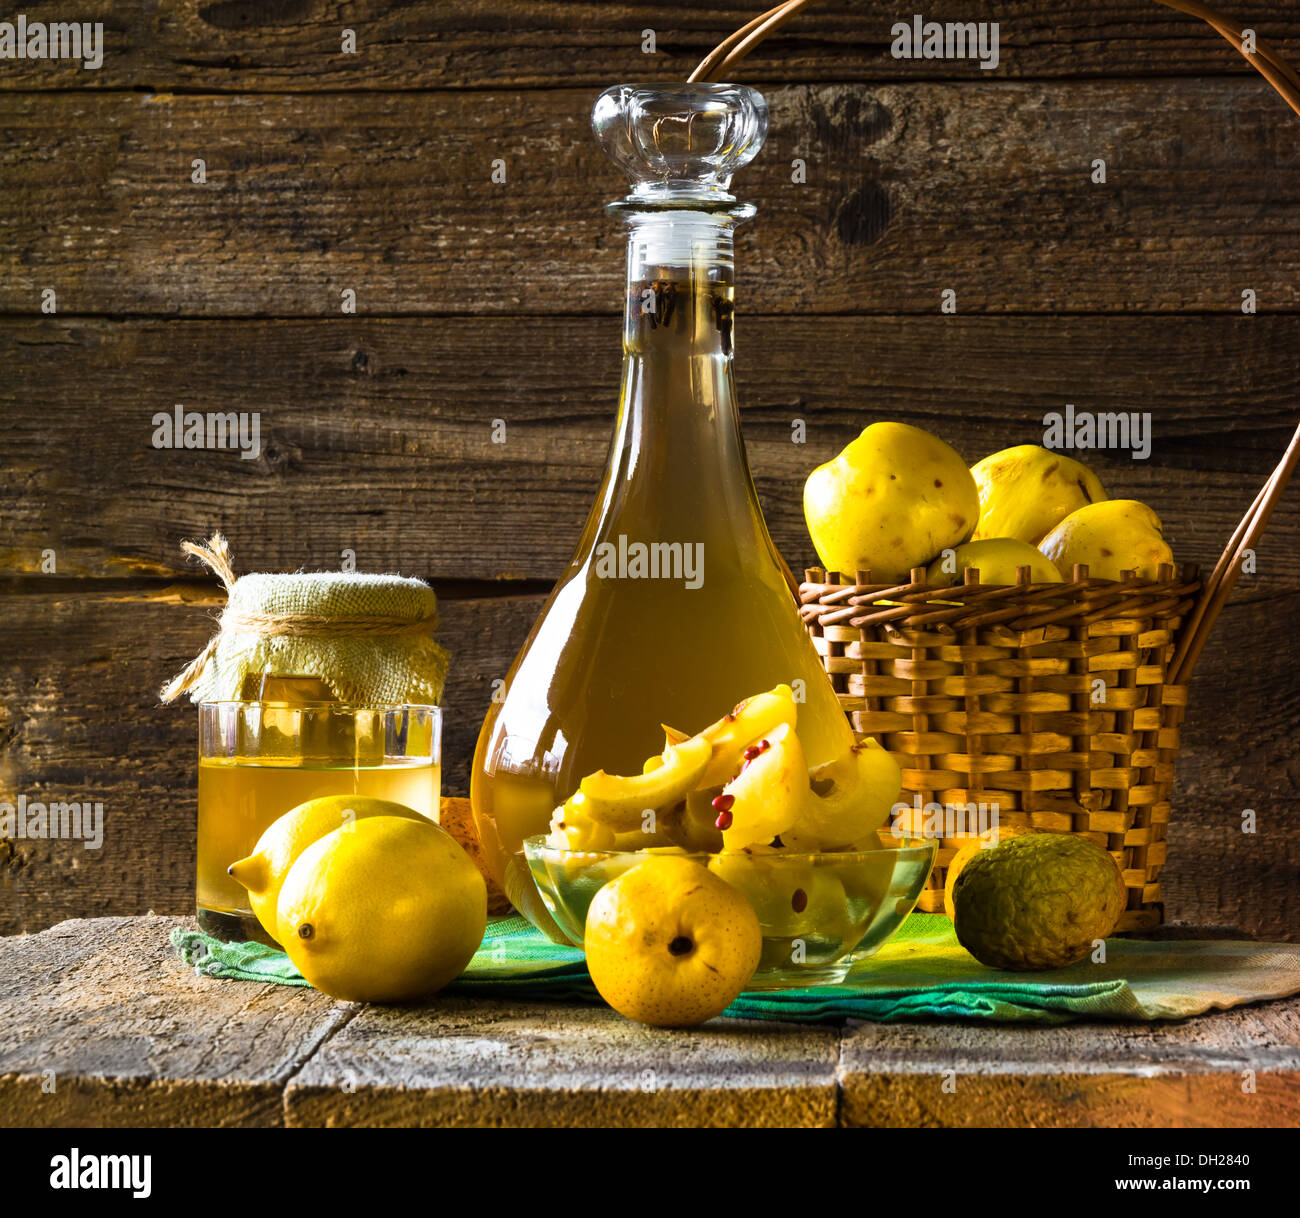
(101,1024)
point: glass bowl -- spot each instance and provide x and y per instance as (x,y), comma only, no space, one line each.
(816,911)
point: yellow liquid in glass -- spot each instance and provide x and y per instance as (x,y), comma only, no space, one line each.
(239,799)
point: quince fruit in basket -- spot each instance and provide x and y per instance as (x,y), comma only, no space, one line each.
(893,499)
(998,561)
(1111,537)
(1026,491)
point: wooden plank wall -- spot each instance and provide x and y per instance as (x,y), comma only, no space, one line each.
(479,300)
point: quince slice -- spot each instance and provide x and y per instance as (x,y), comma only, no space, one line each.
(621,803)
(751,720)
(766,798)
(851,796)
(573,829)
(692,824)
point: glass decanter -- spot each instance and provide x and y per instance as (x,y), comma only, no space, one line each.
(676,604)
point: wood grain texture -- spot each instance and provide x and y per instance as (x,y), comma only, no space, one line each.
(1142,1075)
(378,434)
(125,1034)
(79,719)
(911,189)
(132,1037)
(297,44)
(465,1062)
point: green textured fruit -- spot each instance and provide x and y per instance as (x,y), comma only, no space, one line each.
(1036,902)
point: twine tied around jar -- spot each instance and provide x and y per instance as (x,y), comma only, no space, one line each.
(366,636)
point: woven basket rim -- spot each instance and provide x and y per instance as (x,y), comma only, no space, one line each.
(826,598)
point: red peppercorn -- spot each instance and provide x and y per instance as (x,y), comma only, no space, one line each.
(799,902)
(724,802)
(723,821)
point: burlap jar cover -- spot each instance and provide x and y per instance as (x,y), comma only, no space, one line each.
(367,637)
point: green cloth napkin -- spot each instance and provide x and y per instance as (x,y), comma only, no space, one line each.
(921,973)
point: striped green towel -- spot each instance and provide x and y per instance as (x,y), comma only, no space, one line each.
(921,973)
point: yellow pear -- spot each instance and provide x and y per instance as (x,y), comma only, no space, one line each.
(263,871)
(670,944)
(997,559)
(1111,537)
(889,502)
(1026,491)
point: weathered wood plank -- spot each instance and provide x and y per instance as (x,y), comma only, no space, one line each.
(911,189)
(1123,1076)
(462,1062)
(234,44)
(79,718)
(101,1024)
(377,435)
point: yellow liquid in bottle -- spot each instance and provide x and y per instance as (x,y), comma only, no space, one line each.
(622,647)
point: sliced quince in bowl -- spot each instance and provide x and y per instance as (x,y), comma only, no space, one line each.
(801,844)
(620,803)
(737,731)
(851,796)
(693,823)
(768,797)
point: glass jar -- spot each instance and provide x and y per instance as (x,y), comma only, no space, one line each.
(257,760)
(676,604)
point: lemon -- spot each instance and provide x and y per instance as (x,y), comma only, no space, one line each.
(263,871)
(386,909)
(669,944)
(1036,901)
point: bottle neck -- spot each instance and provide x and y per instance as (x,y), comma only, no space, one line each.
(678,466)
(680,296)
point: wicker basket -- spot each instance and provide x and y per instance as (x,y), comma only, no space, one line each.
(1048,701)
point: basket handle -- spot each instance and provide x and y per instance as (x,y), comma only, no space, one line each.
(1224,577)
(1264,58)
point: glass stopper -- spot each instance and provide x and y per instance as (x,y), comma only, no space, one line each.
(680,143)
